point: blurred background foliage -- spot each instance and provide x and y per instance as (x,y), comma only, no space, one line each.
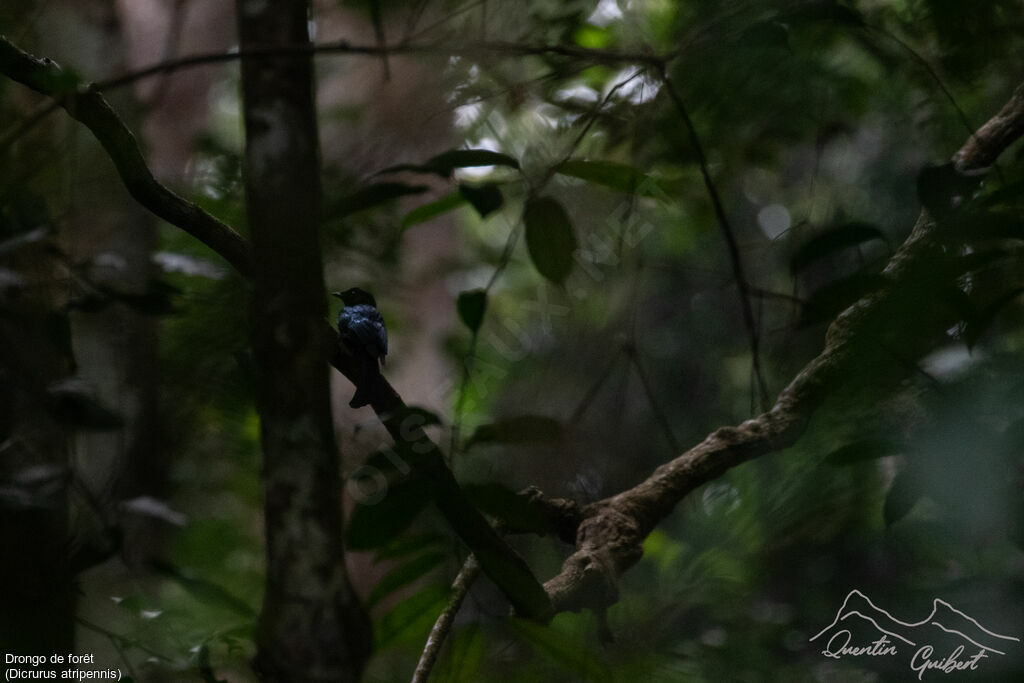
(584,322)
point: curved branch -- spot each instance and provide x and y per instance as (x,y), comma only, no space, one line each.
(499,561)
(610,536)
(91,109)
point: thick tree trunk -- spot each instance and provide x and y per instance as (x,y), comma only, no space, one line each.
(311,627)
(38,606)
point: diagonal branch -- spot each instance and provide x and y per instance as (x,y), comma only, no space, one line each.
(91,109)
(610,536)
(499,561)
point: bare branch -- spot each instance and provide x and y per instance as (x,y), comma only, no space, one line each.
(610,535)
(460,589)
(506,568)
(90,108)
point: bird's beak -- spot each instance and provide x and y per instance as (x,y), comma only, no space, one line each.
(337,294)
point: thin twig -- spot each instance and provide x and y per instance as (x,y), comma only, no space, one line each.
(591,394)
(15,132)
(610,534)
(344,47)
(443,626)
(470,358)
(169,66)
(117,638)
(659,414)
(730,239)
(591,119)
(441,22)
(919,58)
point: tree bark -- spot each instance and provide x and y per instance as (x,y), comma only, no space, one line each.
(311,627)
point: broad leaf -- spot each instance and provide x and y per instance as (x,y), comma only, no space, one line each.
(613,175)
(831,299)
(372,195)
(402,575)
(372,526)
(832,240)
(862,451)
(518,429)
(903,495)
(422,214)
(444,164)
(415,613)
(204,590)
(486,199)
(501,502)
(549,238)
(471,307)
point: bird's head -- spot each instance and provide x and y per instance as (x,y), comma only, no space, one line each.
(355,297)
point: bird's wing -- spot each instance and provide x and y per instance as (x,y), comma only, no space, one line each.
(368,330)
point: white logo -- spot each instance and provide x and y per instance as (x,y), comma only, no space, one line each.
(947,630)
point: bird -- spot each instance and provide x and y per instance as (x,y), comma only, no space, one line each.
(362,331)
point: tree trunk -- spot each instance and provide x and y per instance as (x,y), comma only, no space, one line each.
(38,607)
(311,627)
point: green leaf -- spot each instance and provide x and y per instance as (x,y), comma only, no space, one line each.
(826,11)
(501,502)
(613,175)
(518,429)
(204,590)
(414,614)
(767,35)
(861,451)
(446,162)
(903,495)
(374,525)
(403,575)
(549,238)
(466,656)
(832,240)
(562,651)
(591,36)
(372,195)
(486,199)
(829,300)
(422,214)
(471,307)
(410,545)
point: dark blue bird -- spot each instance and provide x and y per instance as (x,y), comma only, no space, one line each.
(361,329)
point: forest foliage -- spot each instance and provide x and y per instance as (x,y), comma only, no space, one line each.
(601,196)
